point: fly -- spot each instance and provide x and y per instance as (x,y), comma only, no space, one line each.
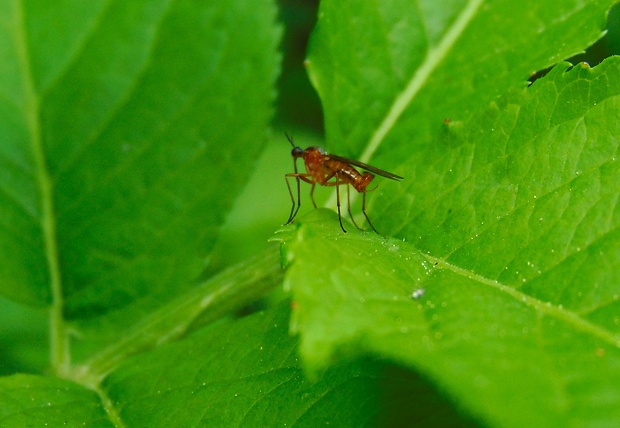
(321,167)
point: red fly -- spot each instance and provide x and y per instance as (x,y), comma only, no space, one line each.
(322,167)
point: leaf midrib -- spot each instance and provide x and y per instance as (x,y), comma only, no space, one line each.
(59,351)
(434,57)
(539,306)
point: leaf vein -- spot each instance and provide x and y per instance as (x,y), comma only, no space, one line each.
(58,335)
(433,58)
(420,76)
(79,48)
(114,110)
(545,308)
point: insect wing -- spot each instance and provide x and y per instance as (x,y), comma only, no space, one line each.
(367,167)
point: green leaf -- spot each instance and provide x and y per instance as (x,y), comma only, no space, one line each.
(128,130)
(29,400)
(246,373)
(24,344)
(394,70)
(501,283)
(233,373)
(510,232)
(118,142)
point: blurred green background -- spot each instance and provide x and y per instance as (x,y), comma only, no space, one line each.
(265,203)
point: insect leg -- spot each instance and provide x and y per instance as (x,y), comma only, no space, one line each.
(299,178)
(366,215)
(349,207)
(290,192)
(338,204)
(312,194)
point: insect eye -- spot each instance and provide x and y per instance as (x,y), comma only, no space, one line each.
(297,152)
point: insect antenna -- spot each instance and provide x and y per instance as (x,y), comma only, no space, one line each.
(290,139)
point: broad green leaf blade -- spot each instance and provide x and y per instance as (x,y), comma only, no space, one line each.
(511,230)
(528,188)
(125,138)
(349,286)
(246,373)
(373,62)
(24,346)
(41,401)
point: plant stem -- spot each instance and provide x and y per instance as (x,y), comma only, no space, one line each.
(231,289)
